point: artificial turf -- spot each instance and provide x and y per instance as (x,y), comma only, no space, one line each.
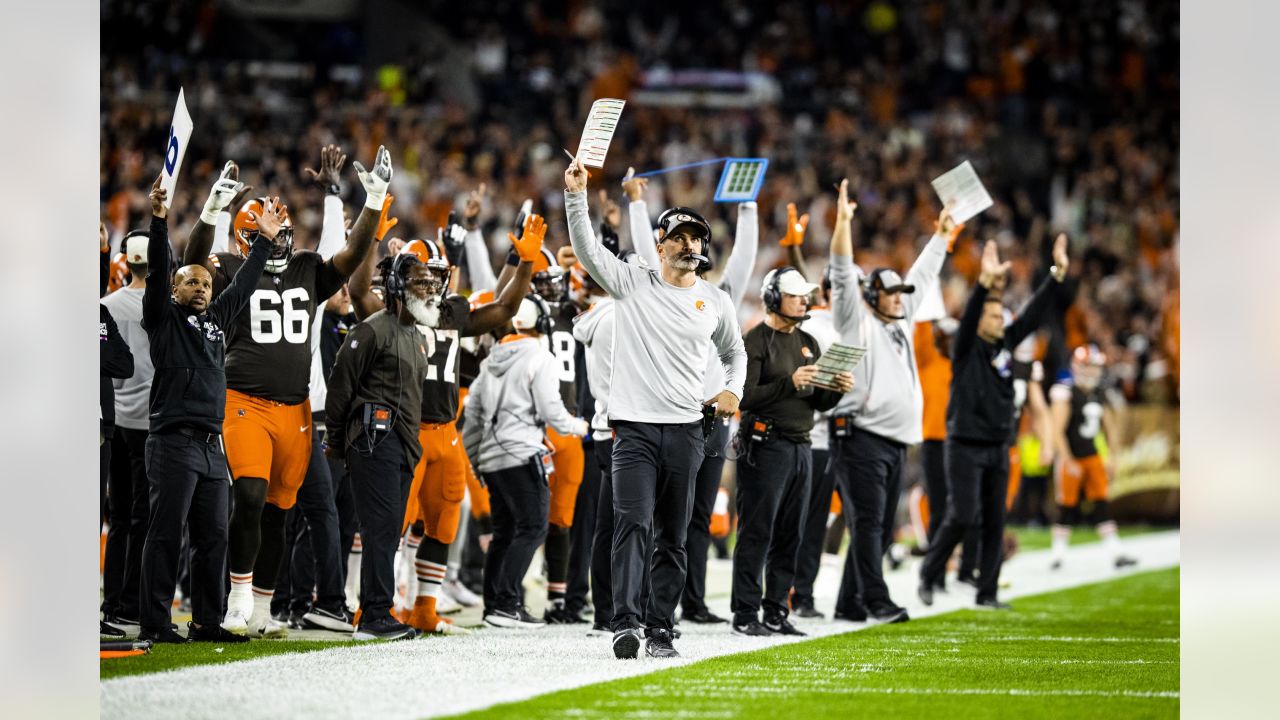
(1105,650)
(173,657)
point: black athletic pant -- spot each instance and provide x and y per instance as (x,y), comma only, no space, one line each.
(380,480)
(187,484)
(773,496)
(653,469)
(812,537)
(582,532)
(348,520)
(868,469)
(104,473)
(978,478)
(312,557)
(935,483)
(706,486)
(520,499)
(127,501)
(602,542)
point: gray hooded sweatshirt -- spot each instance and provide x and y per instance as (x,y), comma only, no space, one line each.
(515,395)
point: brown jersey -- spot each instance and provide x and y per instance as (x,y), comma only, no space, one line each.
(269,342)
(1085,421)
(440,387)
(562,345)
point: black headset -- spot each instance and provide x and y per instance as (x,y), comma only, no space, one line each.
(772,294)
(543,323)
(871,291)
(703,258)
(393,280)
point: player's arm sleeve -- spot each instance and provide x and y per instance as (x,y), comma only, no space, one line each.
(350,364)
(968,330)
(233,299)
(221,233)
(116,359)
(924,273)
(159,273)
(642,240)
(479,265)
(332,230)
(547,401)
(742,258)
(1033,315)
(755,394)
(728,340)
(846,295)
(616,277)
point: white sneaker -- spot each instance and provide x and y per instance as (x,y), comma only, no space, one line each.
(459,592)
(268,627)
(446,605)
(235,622)
(448,628)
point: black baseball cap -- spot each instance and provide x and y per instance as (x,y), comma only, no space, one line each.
(673,218)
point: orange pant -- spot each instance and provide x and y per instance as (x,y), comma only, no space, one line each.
(269,440)
(1015,477)
(439,482)
(1089,472)
(480,506)
(836,507)
(567,456)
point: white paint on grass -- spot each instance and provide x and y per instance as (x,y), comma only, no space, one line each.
(446,675)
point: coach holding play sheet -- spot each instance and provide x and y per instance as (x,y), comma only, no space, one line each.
(666,322)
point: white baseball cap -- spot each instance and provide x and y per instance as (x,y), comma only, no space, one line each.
(526,318)
(135,249)
(791,282)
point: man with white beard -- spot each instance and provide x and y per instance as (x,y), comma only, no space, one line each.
(439,465)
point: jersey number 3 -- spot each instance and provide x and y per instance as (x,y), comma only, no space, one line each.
(1092,413)
(274,315)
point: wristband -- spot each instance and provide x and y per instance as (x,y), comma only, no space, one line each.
(209,216)
(513,258)
(333,189)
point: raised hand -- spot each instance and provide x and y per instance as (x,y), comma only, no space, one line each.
(795,227)
(471,211)
(1060,259)
(272,217)
(634,186)
(224,192)
(575,176)
(947,225)
(993,271)
(529,244)
(385,222)
(612,213)
(377,181)
(844,206)
(331,161)
(157,197)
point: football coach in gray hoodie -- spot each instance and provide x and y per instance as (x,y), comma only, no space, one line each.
(512,400)
(667,322)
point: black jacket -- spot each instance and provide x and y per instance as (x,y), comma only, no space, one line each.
(772,358)
(981,406)
(190,386)
(115,361)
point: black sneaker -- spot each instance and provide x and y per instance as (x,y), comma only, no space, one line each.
(808,611)
(992,604)
(519,619)
(110,632)
(659,644)
(162,635)
(1124,561)
(778,625)
(626,644)
(858,614)
(889,613)
(339,619)
(213,633)
(751,628)
(386,628)
(558,614)
(703,616)
(925,592)
(968,579)
(120,621)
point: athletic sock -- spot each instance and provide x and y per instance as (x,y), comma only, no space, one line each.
(1061,539)
(411,544)
(353,572)
(556,551)
(261,605)
(1110,538)
(241,595)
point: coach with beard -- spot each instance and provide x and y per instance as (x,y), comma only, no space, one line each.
(667,321)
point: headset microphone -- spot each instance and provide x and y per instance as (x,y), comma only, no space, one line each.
(704,262)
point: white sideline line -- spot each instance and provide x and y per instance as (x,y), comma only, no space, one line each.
(443,676)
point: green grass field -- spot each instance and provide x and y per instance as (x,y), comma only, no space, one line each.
(1107,650)
(172,657)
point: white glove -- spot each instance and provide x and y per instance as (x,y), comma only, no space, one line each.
(454,235)
(220,195)
(375,182)
(583,429)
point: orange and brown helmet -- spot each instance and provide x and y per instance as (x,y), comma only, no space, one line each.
(244,226)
